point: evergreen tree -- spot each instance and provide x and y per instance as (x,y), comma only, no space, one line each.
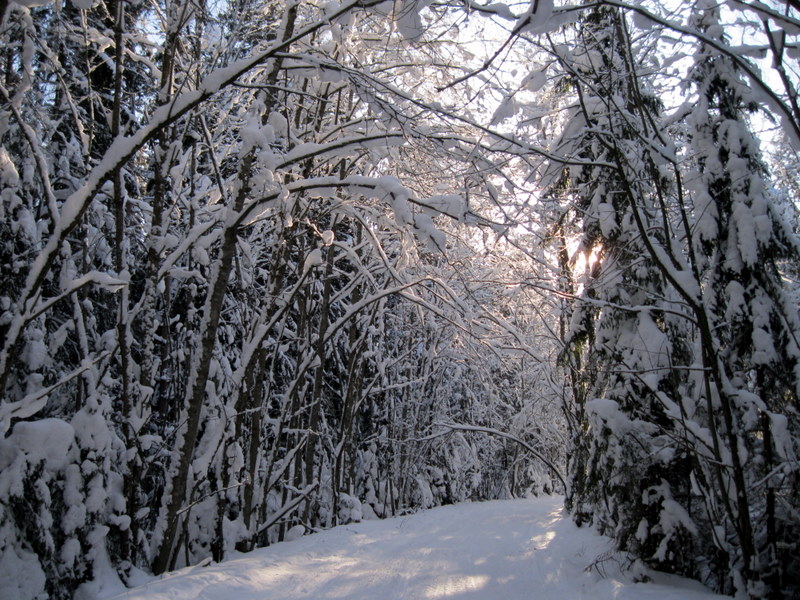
(749,327)
(620,343)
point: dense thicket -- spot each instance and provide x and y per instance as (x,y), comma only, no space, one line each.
(228,311)
(269,267)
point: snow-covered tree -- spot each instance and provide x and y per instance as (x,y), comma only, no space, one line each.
(621,343)
(748,327)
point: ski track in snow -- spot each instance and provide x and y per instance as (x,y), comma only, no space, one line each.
(500,550)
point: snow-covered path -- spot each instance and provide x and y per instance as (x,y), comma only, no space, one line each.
(503,550)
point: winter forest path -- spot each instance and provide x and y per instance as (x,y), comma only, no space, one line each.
(501,550)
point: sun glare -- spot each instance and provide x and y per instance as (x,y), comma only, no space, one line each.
(582,260)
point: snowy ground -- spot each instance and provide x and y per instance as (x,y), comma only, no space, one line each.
(506,550)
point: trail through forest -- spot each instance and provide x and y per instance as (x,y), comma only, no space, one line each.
(264,263)
(499,550)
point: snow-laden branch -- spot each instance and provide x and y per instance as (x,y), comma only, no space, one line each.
(287,508)
(382,188)
(122,149)
(218,492)
(504,143)
(770,98)
(36,151)
(104,280)
(36,401)
(503,434)
(761,9)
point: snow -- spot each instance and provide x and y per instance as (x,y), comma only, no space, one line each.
(33,3)
(496,8)
(537,18)
(606,215)
(409,22)
(327,237)
(505,110)
(781,436)
(314,259)
(20,588)
(48,440)
(535,80)
(510,549)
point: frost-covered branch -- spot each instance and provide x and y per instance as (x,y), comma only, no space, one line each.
(460,427)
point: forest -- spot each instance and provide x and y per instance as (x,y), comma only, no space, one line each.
(281,265)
